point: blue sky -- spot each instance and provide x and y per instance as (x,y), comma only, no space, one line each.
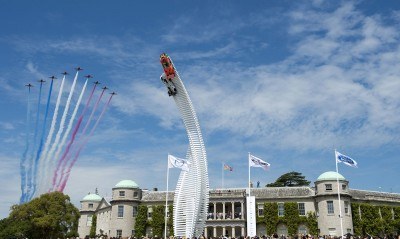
(288,81)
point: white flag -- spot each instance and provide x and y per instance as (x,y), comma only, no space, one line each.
(174,162)
(341,158)
(256,162)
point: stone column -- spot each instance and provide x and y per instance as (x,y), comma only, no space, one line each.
(233,231)
(243,233)
(242,211)
(215,231)
(233,210)
(215,211)
(205,232)
(223,231)
(223,210)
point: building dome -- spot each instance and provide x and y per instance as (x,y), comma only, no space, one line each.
(92,197)
(126,184)
(328,176)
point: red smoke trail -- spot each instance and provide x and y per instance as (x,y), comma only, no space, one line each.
(64,164)
(74,132)
(64,182)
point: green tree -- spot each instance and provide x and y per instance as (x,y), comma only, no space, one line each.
(312,223)
(52,215)
(291,179)
(271,217)
(375,220)
(170,221)
(355,214)
(396,221)
(157,220)
(291,218)
(92,233)
(141,221)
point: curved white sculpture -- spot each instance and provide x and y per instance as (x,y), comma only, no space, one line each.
(192,190)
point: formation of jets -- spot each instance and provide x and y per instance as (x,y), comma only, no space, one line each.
(41,81)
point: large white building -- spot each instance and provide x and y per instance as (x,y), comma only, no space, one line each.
(227,207)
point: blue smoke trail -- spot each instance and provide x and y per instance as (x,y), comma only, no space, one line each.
(30,163)
(22,164)
(41,142)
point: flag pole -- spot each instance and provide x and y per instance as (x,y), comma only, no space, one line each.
(166,201)
(338,189)
(222,173)
(249,173)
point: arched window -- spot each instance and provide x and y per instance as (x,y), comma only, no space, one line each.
(282,229)
(302,229)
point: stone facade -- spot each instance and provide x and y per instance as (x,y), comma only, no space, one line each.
(227,207)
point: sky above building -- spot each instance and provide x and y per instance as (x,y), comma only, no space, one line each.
(288,81)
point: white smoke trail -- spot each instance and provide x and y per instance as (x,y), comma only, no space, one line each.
(49,158)
(42,164)
(69,127)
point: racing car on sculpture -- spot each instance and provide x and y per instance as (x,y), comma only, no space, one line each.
(169,74)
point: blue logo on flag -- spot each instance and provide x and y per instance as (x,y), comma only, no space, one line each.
(345,159)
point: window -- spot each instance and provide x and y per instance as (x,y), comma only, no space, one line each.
(281,210)
(344,186)
(346,207)
(302,229)
(134,211)
(149,214)
(122,193)
(328,187)
(135,194)
(89,221)
(302,209)
(282,229)
(120,211)
(332,231)
(330,207)
(90,205)
(119,233)
(260,210)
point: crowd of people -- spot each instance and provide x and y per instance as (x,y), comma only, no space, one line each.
(273,236)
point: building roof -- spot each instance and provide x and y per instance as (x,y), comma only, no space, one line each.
(151,196)
(331,175)
(265,193)
(374,196)
(282,192)
(126,184)
(92,197)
